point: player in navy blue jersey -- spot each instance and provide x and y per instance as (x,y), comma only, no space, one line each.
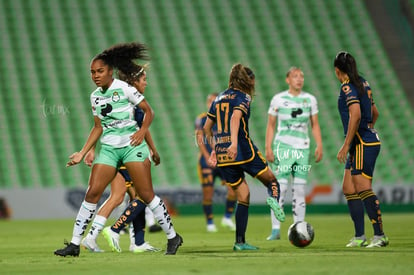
(359,151)
(234,151)
(208,174)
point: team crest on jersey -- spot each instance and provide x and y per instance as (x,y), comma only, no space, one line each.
(115,97)
(346,89)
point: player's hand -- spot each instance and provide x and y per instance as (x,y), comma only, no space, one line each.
(137,138)
(232,151)
(156,158)
(212,160)
(74,159)
(270,157)
(90,156)
(343,153)
(318,154)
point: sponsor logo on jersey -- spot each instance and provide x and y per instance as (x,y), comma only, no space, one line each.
(346,89)
(115,97)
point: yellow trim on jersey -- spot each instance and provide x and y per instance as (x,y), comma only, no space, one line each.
(359,157)
(202,115)
(235,183)
(211,115)
(366,176)
(367,143)
(261,172)
(241,109)
(348,103)
(128,184)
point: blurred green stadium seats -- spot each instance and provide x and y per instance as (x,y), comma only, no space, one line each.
(46,47)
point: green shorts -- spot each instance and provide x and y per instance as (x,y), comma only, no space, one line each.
(116,157)
(290,162)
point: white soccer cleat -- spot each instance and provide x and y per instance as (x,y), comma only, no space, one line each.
(145,247)
(112,238)
(378,241)
(275,235)
(228,223)
(211,228)
(91,245)
(357,242)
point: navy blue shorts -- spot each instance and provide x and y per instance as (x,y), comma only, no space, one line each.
(362,157)
(234,174)
(125,174)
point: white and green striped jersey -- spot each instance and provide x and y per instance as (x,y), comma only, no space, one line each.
(293,114)
(115,109)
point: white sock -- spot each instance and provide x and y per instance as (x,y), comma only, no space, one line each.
(97,225)
(149,217)
(299,203)
(160,212)
(283,189)
(84,217)
(131,233)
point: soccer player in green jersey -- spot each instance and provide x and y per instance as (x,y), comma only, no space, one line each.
(121,184)
(122,142)
(293,109)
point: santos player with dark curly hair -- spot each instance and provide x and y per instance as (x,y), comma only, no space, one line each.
(122,142)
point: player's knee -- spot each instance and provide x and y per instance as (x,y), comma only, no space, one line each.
(348,189)
(93,194)
(117,200)
(207,202)
(243,197)
(147,196)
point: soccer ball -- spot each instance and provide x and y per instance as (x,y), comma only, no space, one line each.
(301,234)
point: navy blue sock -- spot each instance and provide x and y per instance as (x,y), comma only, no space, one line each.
(242,216)
(208,212)
(139,228)
(372,206)
(230,204)
(273,189)
(356,210)
(134,208)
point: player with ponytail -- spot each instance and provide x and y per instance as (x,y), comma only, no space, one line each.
(359,151)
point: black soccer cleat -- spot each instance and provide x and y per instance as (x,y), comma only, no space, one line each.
(173,244)
(70,250)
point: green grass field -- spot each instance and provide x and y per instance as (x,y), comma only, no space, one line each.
(27,247)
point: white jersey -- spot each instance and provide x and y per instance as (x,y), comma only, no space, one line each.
(115,109)
(293,114)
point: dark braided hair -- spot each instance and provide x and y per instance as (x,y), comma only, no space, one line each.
(347,64)
(122,56)
(242,78)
